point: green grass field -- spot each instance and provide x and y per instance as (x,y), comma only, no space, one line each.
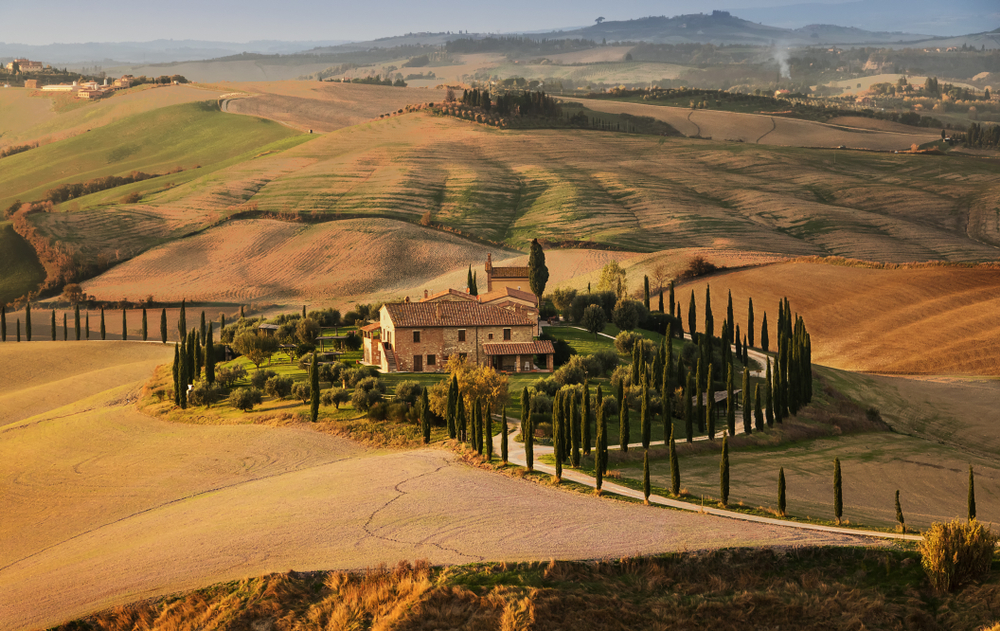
(179,136)
(20,271)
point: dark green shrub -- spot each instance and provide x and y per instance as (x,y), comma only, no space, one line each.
(245,398)
(302,391)
(335,397)
(278,387)
(367,393)
(408,392)
(259,378)
(204,394)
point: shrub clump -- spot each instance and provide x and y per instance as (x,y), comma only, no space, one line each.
(204,394)
(278,387)
(245,398)
(228,376)
(367,393)
(335,397)
(956,552)
(259,379)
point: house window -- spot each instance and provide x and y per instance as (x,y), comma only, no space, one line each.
(461,335)
(416,337)
(491,336)
(431,360)
(506,335)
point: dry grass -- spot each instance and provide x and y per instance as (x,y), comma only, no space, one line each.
(925,320)
(730,589)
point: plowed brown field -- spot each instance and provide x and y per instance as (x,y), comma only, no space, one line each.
(934,320)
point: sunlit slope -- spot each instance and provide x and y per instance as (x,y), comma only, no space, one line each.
(178,136)
(933,320)
(29,116)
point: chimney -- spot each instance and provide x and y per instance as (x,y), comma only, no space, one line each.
(406,299)
(489,261)
(425,294)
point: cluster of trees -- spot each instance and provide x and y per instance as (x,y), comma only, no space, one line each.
(515,103)
(160,80)
(379,80)
(67,192)
(194,361)
(982,136)
(520,45)
(15,149)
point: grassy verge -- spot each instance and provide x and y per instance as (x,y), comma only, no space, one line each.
(801,588)
(20,270)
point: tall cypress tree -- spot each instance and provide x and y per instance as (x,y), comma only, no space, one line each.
(488,431)
(899,515)
(27,321)
(145,326)
(529,441)
(222,322)
(574,430)
(688,411)
(730,321)
(667,391)
(88,325)
(503,435)
(104,331)
(314,389)
(710,404)
(210,358)
(781,491)
(644,420)
(623,425)
(461,418)
(202,328)
(557,439)
(3,324)
(538,273)
(750,322)
(699,399)
(769,409)
(672,300)
(163,326)
(480,429)
(453,407)
(124,325)
(660,306)
(645,476)
(65,328)
(675,469)
(76,321)
(746,402)
(53,325)
(645,292)
(468,282)
(724,472)
(182,320)
(585,418)
(19,329)
(709,318)
(838,491)
(692,316)
(730,403)
(600,449)
(758,414)
(182,375)
(972,495)
(763,333)
(177,375)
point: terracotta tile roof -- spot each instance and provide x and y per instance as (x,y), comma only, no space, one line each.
(449,292)
(538,347)
(509,272)
(374,326)
(409,315)
(509,292)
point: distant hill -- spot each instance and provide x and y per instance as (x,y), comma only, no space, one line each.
(157,51)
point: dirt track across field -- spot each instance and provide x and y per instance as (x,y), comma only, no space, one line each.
(105,506)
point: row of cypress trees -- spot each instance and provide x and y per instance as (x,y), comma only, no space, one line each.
(81,325)
(194,358)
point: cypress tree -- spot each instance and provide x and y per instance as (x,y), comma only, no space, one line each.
(202,328)
(838,491)
(222,322)
(675,470)
(710,404)
(242,313)
(538,273)
(746,354)
(644,421)
(781,491)
(182,374)
(303,313)
(145,326)
(314,390)
(177,376)
(750,322)
(667,393)
(65,328)
(758,414)
(972,495)
(182,319)
(699,399)
(525,404)
(19,329)
(746,402)
(688,411)
(452,410)
(899,514)
(724,472)
(163,326)
(730,403)
(3,324)
(672,300)
(124,326)
(645,292)
(763,333)
(600,449)
(623,425)
(53,325)
(104,331)
(574,430)
(567,425)
(461,418)
(661,299)
(585,419)
(730,321)
(636,363)
(557,438)
(76,321)
(529,441)
(692,316)
(769,410)
(739,349)
(210,357)
(88,325)
(645,476)
(479,428)
(680,323)
(709,318)
(27,321)
(488,434)
(504,431)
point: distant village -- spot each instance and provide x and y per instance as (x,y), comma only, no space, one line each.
(92,89)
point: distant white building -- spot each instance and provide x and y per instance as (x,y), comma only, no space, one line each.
(61,87)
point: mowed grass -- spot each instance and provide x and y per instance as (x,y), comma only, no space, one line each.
(182,136)
(20,270)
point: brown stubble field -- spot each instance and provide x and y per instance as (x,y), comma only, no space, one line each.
(142,507)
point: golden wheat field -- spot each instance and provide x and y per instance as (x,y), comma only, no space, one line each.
(927,320)
(260,260)
(144,507)
(767,130)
